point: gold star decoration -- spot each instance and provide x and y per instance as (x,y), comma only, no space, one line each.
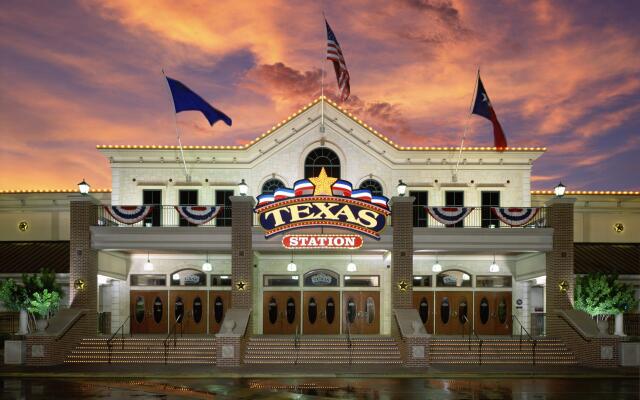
(618,227)
(322,184)
(79,284)
(241,286)
(563,286)
(402,285)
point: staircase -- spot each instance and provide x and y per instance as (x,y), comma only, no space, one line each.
(499,351)
(145,350)
(322,350)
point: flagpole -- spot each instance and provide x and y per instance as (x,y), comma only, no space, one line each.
(322,74)
(175,121)
(466,127)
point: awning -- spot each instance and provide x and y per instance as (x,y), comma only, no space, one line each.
(610,258)
(31,257)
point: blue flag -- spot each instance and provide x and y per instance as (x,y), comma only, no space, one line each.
(185,99)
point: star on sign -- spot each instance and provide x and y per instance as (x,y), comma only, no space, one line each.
(563,286)
(322,184)
(241,285)
(402,285)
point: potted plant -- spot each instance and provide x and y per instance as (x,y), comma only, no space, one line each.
(14,297)
(600,296)
(43,304)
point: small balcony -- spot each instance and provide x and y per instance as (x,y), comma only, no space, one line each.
(163,216)
(481,217)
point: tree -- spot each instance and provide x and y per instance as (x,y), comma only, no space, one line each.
(600,295)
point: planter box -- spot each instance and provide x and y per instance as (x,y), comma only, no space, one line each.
(630,354)
(15,351)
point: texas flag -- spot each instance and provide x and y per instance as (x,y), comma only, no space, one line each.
(482,106)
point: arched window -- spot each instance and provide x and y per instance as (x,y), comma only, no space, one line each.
(270,186)
(319,158)
(373,185)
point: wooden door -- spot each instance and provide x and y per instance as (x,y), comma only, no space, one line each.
(361,312)
(321,313)
(281,312)
(450,309)
(148,310)
(502,324)
(219,302)
(423,302)
(189,309)
(484,312)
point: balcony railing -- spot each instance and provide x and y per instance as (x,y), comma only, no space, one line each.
(479,217)
(163,215)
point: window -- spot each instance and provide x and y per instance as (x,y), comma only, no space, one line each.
(499,281)
(188,277)
(453,278)
(281,280)
(361,281)
(455,199)
(490,199)
(223,198)
(148,280)
(220,280)
(153,198)
(373,185)
(322,158)
(187,198)
(419,211)
(422,281)
(270,186)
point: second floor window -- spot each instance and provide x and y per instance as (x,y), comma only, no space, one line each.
(153,198)
(373,185)
(490,199)
(319,158)
(419,211)
(454,198)
(187,198)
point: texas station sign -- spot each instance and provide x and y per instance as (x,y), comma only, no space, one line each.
(322,202)
(322,241)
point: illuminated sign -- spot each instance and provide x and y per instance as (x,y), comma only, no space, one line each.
(322,202)
(322,241)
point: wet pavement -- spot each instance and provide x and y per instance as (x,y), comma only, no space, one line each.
(321,388)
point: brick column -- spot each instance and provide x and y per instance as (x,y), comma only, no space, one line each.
(83,260)
(559,263)
(241,251)
(402,252)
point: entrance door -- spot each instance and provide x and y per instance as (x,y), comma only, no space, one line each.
(219,302)
(493,313)
(450,311)
(281,312)
(189,308)
(321,313)
(361,312)
(423,302)
(148,311)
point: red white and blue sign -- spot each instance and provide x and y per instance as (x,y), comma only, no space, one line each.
(449,215)
(198,215)
(515,216)
(128,214)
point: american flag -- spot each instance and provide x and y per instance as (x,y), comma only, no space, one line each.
(334,53)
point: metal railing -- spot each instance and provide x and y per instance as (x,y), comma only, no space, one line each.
(534,342)
(349,343)
(163,215)
(479,217)
(296,344)
(121,330)
(538,324)
(473,332)
(173,331)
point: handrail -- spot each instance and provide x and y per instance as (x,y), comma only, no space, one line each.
(349,342)
(166,340)
(531,338)
(296,344)
(121,330)
(480,341)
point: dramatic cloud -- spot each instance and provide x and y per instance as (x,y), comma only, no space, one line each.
(560,74)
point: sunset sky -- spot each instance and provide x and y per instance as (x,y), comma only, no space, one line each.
(565,75)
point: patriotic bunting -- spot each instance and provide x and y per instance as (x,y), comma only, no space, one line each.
(198,215)
(513,216)
(449,215)
(128,214)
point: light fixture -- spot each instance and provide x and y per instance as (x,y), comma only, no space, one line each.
(243,188)
(494,267)
(295,277)
(436,267)
(292,267)
(541,280)
(148,266)
(465,277)
(207,265)
(175,276)
(402,188)
(559,190)
(351,267)
(84,187)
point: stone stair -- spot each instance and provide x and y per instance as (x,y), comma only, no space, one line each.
(280,349)
(145,350)
(505,350)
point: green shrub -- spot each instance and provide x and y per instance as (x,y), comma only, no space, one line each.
(600,296)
